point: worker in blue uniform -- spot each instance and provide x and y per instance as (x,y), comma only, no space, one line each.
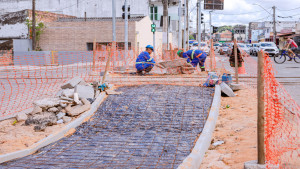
(144,63)
(194,57)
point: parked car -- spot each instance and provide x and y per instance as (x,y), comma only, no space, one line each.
(244,47)
(254,49)
(203,46)
(269,47)
(217,46)
(225,48)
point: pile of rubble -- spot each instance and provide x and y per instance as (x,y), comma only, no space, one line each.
(74,98)
(178,66)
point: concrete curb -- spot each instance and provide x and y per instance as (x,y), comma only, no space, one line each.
(194,160)
(55,136)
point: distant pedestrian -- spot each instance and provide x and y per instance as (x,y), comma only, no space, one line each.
(144,62)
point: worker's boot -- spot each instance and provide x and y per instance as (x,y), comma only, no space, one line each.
(140,73)
(147,70)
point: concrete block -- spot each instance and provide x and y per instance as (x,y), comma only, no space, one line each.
(253,165)
(77,110)
(236,87)
(71,83)
(60,115)
(21,117)
(68,93)
(61,121)
(53,109)
(47,102)
(36,109)
(85,91)
(67,119)
(227,90)
(47,118)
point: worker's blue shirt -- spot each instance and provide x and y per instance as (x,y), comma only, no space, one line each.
(141,59)
(195,56)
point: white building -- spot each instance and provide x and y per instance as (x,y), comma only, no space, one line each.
(100,8)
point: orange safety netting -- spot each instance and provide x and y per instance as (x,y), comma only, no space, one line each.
(29,76)
(282,123)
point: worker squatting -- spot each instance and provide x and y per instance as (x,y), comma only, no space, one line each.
(144,62)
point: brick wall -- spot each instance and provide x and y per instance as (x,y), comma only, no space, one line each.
(74,36)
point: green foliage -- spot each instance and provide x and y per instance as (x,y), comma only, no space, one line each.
(39,29)
(224,28)
(191,37)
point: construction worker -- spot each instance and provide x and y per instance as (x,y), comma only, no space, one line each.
(194,57)
(144,62)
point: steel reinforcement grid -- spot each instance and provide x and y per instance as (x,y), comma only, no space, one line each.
(148,126)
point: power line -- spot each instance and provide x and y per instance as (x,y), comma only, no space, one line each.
(288,9)
(240,13)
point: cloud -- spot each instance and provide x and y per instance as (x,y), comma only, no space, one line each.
(243,11)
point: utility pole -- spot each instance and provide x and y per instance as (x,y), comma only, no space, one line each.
(126,29)
(185,17)
(274,25)
(179,26)
(154,31)
(165,26)
(33,26)
(114,20)
(210,32)
(188,24)
(199,24)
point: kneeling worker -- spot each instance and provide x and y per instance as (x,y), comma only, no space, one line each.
(194,57)
(144,62)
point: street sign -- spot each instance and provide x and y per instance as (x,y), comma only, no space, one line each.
(214,4)
(153,27)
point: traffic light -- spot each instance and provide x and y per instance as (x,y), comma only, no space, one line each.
(215,29)
(153,28)
(123,9)
(202,18)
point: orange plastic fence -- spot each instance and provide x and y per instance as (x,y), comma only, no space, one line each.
(27,77)
(282,123)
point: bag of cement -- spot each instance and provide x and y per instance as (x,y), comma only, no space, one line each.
(227,90)
(212,80)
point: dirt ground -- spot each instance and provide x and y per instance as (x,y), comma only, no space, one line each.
(14,137)
(236,126)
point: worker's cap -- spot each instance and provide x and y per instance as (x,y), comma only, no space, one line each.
(149,46)
(178,53)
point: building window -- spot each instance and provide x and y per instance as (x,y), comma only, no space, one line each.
(155,13)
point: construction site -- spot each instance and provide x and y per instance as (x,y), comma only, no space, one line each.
(77,98)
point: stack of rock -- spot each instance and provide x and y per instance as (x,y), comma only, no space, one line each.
(63,107)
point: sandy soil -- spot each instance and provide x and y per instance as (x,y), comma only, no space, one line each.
(236,126)
(18,137)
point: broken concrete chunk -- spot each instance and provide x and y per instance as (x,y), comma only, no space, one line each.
(85,91)
(21,117)
(77,110)
(68,93)
(63,105)
(36,109)
(83,83)
(227,90)
(236,87)
(47,118)
(60,115)
(67,119)
(40,127)
(53,109)
(61,121)
(47,102)
(217,143)
(71,83)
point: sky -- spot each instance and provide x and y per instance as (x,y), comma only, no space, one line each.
(244,11)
